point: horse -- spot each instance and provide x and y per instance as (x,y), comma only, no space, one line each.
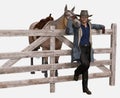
(38,25)
(59,23)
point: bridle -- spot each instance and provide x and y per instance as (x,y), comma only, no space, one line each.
(68,15)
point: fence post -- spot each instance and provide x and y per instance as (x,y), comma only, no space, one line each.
(113,54)
(52,61)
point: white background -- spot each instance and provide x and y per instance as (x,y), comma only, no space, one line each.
(19,14)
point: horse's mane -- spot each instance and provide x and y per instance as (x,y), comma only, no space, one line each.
(43,21)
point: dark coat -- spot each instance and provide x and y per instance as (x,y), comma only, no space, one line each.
(75,54)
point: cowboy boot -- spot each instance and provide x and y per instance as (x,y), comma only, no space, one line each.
(76,77)
(85,83)
(85,88)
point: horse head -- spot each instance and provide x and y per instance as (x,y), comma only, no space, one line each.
(62,21)
(68,13)
(69,18)
(72,22)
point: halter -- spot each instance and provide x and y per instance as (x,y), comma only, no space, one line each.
(68,15)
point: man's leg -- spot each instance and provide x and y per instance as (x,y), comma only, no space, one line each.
(84,65)
(85,82)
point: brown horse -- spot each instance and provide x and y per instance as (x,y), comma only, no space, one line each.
(60,23)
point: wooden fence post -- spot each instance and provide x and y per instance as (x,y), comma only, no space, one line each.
(52,61)
(113,54)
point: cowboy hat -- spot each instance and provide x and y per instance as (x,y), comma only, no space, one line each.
(83,13)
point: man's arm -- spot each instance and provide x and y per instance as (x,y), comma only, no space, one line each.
(98,27)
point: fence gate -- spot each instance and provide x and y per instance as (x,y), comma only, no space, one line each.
(27,52)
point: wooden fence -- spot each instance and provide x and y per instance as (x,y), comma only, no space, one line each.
(14,57)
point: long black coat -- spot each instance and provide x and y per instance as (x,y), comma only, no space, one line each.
(75,54)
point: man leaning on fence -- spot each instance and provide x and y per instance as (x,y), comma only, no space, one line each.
(82,47)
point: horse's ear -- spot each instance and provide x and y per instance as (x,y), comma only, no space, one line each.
(73,9)
(65,8)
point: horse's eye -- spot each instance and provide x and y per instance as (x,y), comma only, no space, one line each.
(67,15)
